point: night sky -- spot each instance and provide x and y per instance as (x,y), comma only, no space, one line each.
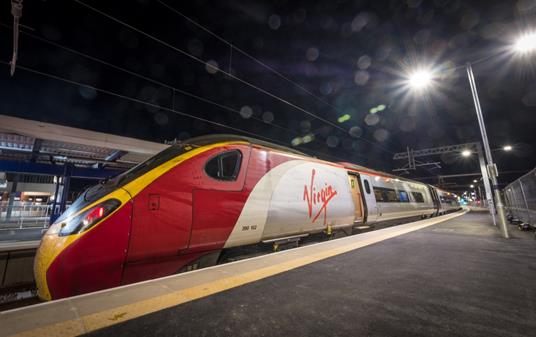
(335,58)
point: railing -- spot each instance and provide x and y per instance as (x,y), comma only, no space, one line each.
(521,198)
(25,215)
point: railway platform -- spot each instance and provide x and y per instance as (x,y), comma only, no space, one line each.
(447,276)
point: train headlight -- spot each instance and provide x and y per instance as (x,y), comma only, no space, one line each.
(87,219)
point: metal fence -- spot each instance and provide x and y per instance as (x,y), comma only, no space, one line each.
(521,198)
(25,215)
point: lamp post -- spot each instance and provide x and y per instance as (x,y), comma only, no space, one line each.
(491,167)
(422,78)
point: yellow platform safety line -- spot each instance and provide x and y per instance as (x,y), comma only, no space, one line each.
(106,318)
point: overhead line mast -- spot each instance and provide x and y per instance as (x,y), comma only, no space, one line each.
(16,11)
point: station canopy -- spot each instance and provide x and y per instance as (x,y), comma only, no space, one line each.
(30,141)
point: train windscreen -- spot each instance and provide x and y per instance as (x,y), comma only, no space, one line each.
(168,154)
(105,187)
(98,191)
(151,163)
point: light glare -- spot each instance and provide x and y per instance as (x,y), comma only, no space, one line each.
(466,153)
(507,148)
(526,43)
(420,79)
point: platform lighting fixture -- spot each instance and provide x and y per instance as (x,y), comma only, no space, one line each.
(507,148)
(526,43)
(472,186)
(420,79)
(475,181)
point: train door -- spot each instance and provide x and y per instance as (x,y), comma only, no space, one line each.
(161,218)
(435,199)
(218,200)
(356,196)
(369,199)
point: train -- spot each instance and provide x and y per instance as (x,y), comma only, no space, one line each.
(184,207)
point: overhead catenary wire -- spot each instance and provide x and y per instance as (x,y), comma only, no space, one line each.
(136,100)
(273,70)
(16,11)
(158,83)
(135,74)
(243,52)
(139,101)
(241,80)
(263,64)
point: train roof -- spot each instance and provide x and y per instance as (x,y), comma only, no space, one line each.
(211,139)
(367,170)
(381,173)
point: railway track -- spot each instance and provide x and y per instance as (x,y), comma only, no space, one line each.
(18,296)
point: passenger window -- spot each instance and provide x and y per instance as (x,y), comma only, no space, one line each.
(391,195)
(383,194)
(418,196)
(367,186)
(225,166)
(403,196)
(378,195)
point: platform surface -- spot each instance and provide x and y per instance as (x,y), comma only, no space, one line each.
(454,278)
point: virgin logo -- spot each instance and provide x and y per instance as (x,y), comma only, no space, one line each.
(318,197)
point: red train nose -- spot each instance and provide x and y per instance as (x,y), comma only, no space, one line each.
(84,262)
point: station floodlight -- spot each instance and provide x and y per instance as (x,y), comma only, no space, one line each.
(507,148)
(526,43)
(420,79)
(466,153)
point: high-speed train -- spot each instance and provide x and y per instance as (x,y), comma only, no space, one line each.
(182,208)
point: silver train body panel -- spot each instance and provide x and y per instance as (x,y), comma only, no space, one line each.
(385,202)
(307,196)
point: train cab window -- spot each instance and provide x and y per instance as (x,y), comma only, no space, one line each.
(418,196)
(367,186)
(403,196)
(225,166)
